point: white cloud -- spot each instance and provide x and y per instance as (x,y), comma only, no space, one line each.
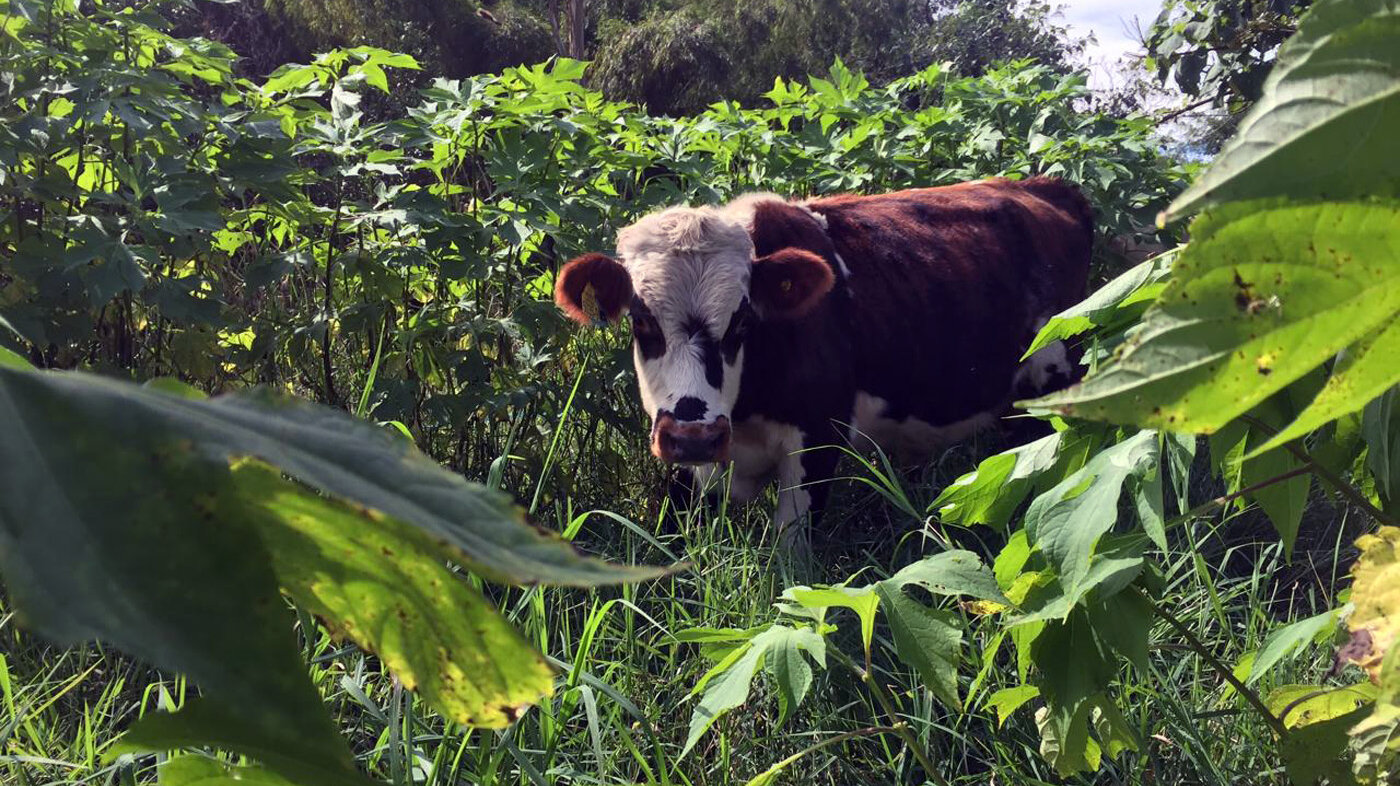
(1114,24)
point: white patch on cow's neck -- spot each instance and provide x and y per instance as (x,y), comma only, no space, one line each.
(909,437)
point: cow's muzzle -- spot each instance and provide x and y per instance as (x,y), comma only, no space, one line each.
(675,442)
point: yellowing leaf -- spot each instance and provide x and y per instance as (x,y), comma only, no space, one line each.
(385,584)
(1376,595)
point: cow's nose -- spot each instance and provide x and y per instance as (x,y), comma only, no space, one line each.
(691,443)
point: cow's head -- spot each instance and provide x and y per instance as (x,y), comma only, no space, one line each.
(688,279)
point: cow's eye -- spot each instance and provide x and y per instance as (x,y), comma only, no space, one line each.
(645,326)
(740,325)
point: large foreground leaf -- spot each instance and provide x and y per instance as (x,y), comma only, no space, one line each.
(1257,300)
(385,585)
(112,530)
(337,454)
(1329,116)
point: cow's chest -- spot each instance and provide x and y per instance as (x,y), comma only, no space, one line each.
(757,448)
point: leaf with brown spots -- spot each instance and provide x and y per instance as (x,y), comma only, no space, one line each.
(1328,119)
(1367,370)
(1263,294)
(386,586)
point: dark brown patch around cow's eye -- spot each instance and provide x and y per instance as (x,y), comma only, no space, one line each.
(737,331)
(646,331)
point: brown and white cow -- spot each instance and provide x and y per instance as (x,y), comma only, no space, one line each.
(765,327)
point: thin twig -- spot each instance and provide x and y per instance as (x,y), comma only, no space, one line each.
(1175,113)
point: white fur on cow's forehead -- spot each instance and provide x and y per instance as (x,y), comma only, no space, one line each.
(688,262)
(701,230)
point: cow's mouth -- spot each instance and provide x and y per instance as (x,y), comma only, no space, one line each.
(675,442)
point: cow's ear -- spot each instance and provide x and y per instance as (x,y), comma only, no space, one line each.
(593,289)
(789,282)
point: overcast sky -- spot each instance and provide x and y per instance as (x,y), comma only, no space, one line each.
(1113,23)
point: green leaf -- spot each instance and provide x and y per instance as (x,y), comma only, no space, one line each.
(1124,621)
(86,497)
(1380,428)
(1073,661)
(1118,302)
(788,666)
(1256,301)
(193,770)
(1328,119)
(991,494)
(385,585)
(1304,705)
(955,572)
(927,638)
(1316,753)
(11,359)
(205,722)
(1008,700)
(1365,371)
(729,682)
(1288,641)
(1109,572)
(1066,522)
(174,387)
(1064,739)
(862,600)
(343,456)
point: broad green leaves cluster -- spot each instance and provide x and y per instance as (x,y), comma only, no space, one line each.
(97,476)
(929,638)
(1273,331)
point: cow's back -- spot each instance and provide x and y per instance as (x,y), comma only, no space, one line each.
(948,286)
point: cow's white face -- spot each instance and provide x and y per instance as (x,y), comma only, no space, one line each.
(689,282)
(690,311)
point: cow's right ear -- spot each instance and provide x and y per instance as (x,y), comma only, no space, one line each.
(593,289)
(789,283)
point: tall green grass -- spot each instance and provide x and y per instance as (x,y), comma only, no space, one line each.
(621,708)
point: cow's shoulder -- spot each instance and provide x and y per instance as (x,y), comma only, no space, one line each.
(775,223)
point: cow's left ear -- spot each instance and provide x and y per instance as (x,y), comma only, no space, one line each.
(593,289)
(789,283)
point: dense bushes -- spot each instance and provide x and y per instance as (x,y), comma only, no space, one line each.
(167,218)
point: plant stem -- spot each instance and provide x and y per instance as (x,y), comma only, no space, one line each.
(1226,674)
(1222,501)
(897,727)
(1332,479)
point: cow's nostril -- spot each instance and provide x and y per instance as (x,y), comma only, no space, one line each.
(690,408)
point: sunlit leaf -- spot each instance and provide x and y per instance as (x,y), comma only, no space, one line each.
(1328,119)
(385,585)
(343,456)
(1260,297)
